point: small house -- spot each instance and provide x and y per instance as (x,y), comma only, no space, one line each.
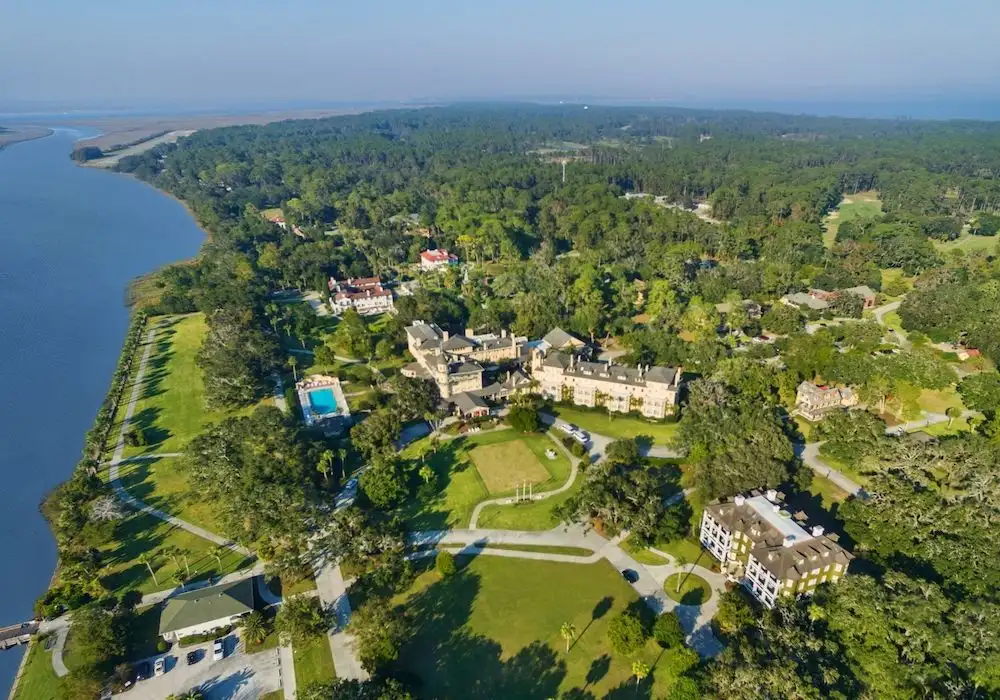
(207,609)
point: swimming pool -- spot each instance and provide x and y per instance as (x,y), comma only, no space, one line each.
(322,402)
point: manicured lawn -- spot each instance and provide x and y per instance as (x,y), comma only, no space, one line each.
(171,408)
(536,515)
(459,485)
(504,466)
(313,661)
(969,243)
(39,681)
(686,550)
(492,631)
(893,275)
(827,491)
(143,534)
(641,553)
(546,549)
(687,588)
(892,321)
(852,471)
(616,425)
(164,485)
(862,205)
(940,401)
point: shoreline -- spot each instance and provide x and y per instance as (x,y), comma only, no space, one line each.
(17,135)
(131,310)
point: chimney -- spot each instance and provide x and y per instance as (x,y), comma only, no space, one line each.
(503,332)
(817,530)
(445,335)
(771,495)
(469,332)
(739,500)
(776,507)
(789,541)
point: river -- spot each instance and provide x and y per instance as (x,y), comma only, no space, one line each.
(71,239)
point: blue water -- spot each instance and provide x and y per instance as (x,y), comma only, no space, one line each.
(71,238)
(322,401)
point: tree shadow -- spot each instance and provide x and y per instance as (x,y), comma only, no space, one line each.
(818,514)
(601,609)
(430,512)
(451,661)
(599,668)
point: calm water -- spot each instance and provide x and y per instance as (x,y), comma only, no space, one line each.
(71,239)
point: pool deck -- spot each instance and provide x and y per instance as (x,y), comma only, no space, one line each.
(314,383)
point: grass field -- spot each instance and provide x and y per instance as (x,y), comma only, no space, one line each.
(505,465)
(544,549)
(459,484)
(687,550)
(492,631)
(536,515)
(939,401)
(162,484)
(862,205)
(967,243)
(616,426)
(313,662)
(641,553)
(828,492)
(171,408)
(39,681)
(143,534)
(687,588)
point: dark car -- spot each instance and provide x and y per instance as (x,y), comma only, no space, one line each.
(192,657)
(630,575)
(143,671)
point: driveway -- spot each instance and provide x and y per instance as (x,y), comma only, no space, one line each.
(238,676)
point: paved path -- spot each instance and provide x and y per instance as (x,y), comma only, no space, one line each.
(648,584)
(146,458)
(574,470)
(880,312)
(58,664)
(286,664)
(333,595)
(599,443)
(279,393)
(116,461)
(809,453)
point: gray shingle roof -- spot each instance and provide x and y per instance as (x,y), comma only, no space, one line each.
(467,402)
(207,605)
(558,338)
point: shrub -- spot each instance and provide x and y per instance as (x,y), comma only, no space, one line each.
(627,633)
(524,419)
(577,450)
(667,631)
(445,563)
(161,645)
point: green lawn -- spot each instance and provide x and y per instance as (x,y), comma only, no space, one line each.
(536,515)
(687,588)
(862,205)
(968,243)
(828,492)
(171,408)
(162,484)
(143,534)
(641,553)
(313,661)
(460,487)
(545,549)
(939,401)
(492,631)
(616,425)
(39,680)
(688,550)
(852,471)
(892,321)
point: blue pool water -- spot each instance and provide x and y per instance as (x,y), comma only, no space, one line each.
(322,402)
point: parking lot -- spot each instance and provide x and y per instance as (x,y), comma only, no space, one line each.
(237,676)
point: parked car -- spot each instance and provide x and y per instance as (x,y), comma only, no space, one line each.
(192,657)
(630,575)
(160,667)
(218,651)
(143,671)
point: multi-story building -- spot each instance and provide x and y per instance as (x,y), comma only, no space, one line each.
(651,391)
(770,551)
(813,401)
(366,295)
(453,361)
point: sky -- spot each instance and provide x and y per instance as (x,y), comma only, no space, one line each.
(134,54)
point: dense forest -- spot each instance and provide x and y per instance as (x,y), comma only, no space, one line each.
(919,617)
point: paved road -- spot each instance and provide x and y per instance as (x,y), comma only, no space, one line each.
(286,664)
(880,312)
(599,443)
(809,453)
(333,594)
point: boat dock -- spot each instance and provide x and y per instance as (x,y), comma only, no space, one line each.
(16,635)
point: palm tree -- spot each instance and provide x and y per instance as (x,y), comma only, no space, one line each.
(179,579)
(427,474)
(254,629)
(567,632)
(952,412)
(219,552)
(640,670)
(147,560)
(326,464)
(293,362)
(342,459)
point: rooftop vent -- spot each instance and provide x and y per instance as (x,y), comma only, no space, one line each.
(771,495)
(789,541)
(817,530)
(739,500)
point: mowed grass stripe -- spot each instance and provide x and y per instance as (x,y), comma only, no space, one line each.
(504,466)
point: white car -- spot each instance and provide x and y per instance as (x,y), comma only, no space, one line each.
(218,651)
(160,667)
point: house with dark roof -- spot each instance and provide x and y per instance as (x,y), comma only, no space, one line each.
(772,552)
(470,405)
(206,609)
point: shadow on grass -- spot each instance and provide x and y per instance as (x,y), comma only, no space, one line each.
(427,511)
(450,661)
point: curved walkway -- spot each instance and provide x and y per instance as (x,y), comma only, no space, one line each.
(508,500)
(116,461)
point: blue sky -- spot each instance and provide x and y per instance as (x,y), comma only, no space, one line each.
(135,53)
